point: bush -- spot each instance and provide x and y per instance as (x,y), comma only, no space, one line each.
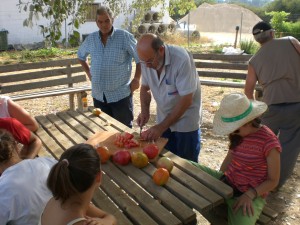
(249,46)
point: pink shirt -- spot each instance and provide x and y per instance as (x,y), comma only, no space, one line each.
(248,167)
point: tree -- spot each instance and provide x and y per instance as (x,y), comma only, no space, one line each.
(200,2)
(75,11)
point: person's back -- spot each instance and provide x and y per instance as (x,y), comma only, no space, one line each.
(72,181)
(277,66)
(23,189)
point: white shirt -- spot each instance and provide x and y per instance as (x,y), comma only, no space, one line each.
(23,191)
(4,107)
(178,78)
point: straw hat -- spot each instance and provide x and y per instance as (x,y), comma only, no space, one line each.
(235,111)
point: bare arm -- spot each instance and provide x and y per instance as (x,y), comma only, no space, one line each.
(33,148)
(135,83)
(226,161)
(145,99)
(250,82)
(86,68)
(273,161)
(19,113)
(296,44)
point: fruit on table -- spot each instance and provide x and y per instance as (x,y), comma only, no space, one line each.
(151,150)
(126,140)
(139,159)
(122,157)
(161,176)
(104,153)
(165,162)
(96,111)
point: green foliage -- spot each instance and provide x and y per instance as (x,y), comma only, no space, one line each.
(35,55)
(291,6)
(249,46)
(277,20)
(75,11)
(200,2)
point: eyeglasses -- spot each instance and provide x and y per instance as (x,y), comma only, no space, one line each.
(148,62)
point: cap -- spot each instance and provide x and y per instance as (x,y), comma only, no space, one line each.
(261,27)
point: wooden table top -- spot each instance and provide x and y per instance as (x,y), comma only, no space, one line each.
(128,192)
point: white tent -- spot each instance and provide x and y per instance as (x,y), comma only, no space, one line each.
(222,18)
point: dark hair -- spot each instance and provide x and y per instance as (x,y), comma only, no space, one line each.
(235,139)
(75,172)
(105,9)
(8,144)
(156,43)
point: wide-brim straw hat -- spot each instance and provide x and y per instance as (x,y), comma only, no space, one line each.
(235,111)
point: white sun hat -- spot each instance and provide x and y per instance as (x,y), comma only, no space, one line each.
(235,111)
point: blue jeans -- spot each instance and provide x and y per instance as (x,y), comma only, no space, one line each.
(184,144)
(121,110)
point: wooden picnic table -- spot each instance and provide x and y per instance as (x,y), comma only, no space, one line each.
(128,192)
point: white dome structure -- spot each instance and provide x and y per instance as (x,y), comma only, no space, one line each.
(222,18)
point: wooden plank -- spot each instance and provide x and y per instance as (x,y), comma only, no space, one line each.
(48,142)
(150,205)
(219,65)
(126,204)
(44,153)
(41,74)
(197,187)
(65,129)
(42,84)
(102,201)
(182,192)
(222,57)
(170,201)
(87,123)
(263,219)
(219,83)
(50,128)
(105,126)
(113,122)
(216,185)
(48,93)
(219,74)
(75,125)
(37,65)
(269,212)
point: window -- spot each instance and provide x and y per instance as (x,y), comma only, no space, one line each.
(91,12)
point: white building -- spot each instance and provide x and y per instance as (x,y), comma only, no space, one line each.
(11,19)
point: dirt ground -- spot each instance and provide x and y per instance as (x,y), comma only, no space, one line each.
(214,148)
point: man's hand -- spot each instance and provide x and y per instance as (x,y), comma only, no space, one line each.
(135,84)
(153,133)
(142,119)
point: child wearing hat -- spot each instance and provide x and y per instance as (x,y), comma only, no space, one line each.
(252,165)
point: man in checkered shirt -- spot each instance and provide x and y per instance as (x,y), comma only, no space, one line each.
(111,51)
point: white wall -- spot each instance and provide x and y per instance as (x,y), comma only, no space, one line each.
(12,21)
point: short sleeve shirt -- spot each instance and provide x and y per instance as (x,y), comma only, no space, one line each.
(248,167)
(24,192)
(4,106)
(17,129)
(178,78)
(111,64)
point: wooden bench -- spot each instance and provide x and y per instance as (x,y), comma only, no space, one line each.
(223,70)
(44,79)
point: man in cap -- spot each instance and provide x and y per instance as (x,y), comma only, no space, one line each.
(276,67)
